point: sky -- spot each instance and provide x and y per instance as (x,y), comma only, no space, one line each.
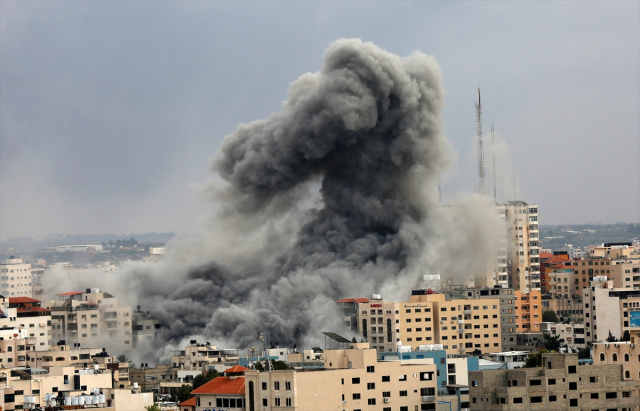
(110,111)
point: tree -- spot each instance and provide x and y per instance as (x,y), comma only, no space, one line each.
(184,393)
(533,360)
(122,358)
(550,316)
(200,379)
(353,340)
(611,338)
(552,342)
(626,336)
(153,407)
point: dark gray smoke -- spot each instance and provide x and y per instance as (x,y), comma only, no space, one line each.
(363,138)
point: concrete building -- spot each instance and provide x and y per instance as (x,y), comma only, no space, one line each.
(34,317)
(570,335)
(149,379)
(201,357)
(144,327)
(507,308)
(89,317)
(15,278)
(65,383)
(625,354)
(352,379)
(561,384)
(523,246)
(567,309)
(460,326)
(377,321)
(528,311)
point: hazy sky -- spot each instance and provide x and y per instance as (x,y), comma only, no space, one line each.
(109,110)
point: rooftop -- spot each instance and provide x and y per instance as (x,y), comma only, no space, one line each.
(353,300)
(222,385)
(191,402)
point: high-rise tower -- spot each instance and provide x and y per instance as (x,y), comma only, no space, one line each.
(481,187)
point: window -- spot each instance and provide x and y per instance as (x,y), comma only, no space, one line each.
(517,400)
(614,357)
(403,393)
(356,396)
(371,385)
(403,378)
(276,402)
(355,380)
(288,402)
(287,385)
(264,402)
(572,369)
(593,379)
(551,381)
(386,378)
(371,401)
(611,395)
(594,395)
(426,376)
(264,386)
(276,385)
(371,368)
(386,394)
(535,382)
(553,398)
(573,386)
(536,399)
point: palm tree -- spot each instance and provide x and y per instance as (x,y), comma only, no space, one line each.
(122,358)
(153,407)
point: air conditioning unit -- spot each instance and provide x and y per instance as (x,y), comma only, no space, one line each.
(386,400)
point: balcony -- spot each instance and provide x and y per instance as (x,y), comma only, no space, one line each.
(428,398)
(468,311)
(460,330)
(460,321)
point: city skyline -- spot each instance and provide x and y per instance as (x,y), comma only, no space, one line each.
(111,111)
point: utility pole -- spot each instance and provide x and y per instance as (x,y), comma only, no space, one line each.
(481,189)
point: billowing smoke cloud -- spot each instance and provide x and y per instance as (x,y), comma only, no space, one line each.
(334,196)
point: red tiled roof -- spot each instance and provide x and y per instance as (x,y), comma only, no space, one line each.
(32,310)
(20,300)
(222,385)
(191,402)
(557,259)
(546,255)
(72,293)
(236,368)
(353,300)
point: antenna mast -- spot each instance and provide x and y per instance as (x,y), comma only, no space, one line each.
(493,144)
(481,189)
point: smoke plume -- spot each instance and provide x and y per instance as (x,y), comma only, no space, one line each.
(333,196)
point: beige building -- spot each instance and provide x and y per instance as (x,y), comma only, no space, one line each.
(523,245)
(199,357)
(624,354)
(460,326)
(565,308)
(34,318)
(150,378)
(90,317)
(571,335)
(65,382)
(15,278)
(612,250)
(377,322)
(560,384)
(352,379)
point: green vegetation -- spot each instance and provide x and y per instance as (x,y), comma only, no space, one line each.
(552,343)
(200,380)
(550,316)
(626,336)
(154,407)
(275,364)
(184,393)
(611,338)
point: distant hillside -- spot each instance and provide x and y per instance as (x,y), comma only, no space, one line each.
(69,239)
(582,235)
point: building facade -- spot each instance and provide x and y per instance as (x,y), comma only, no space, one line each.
(523,246)
(15,278)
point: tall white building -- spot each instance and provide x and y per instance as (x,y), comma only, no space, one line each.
(523,245)
(15,278)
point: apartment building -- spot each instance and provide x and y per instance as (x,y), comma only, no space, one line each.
(352,379)
(33,317)
(562,282)
(507,308)
(571,335)
(460,326)
(612,250)
(377,322)
(22,384)
(149,379)
(570,309)
(144,327)
(90,316)
(497,270)
(523,245)
(15,278)
(561,384)
(528,311)
(199,357)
